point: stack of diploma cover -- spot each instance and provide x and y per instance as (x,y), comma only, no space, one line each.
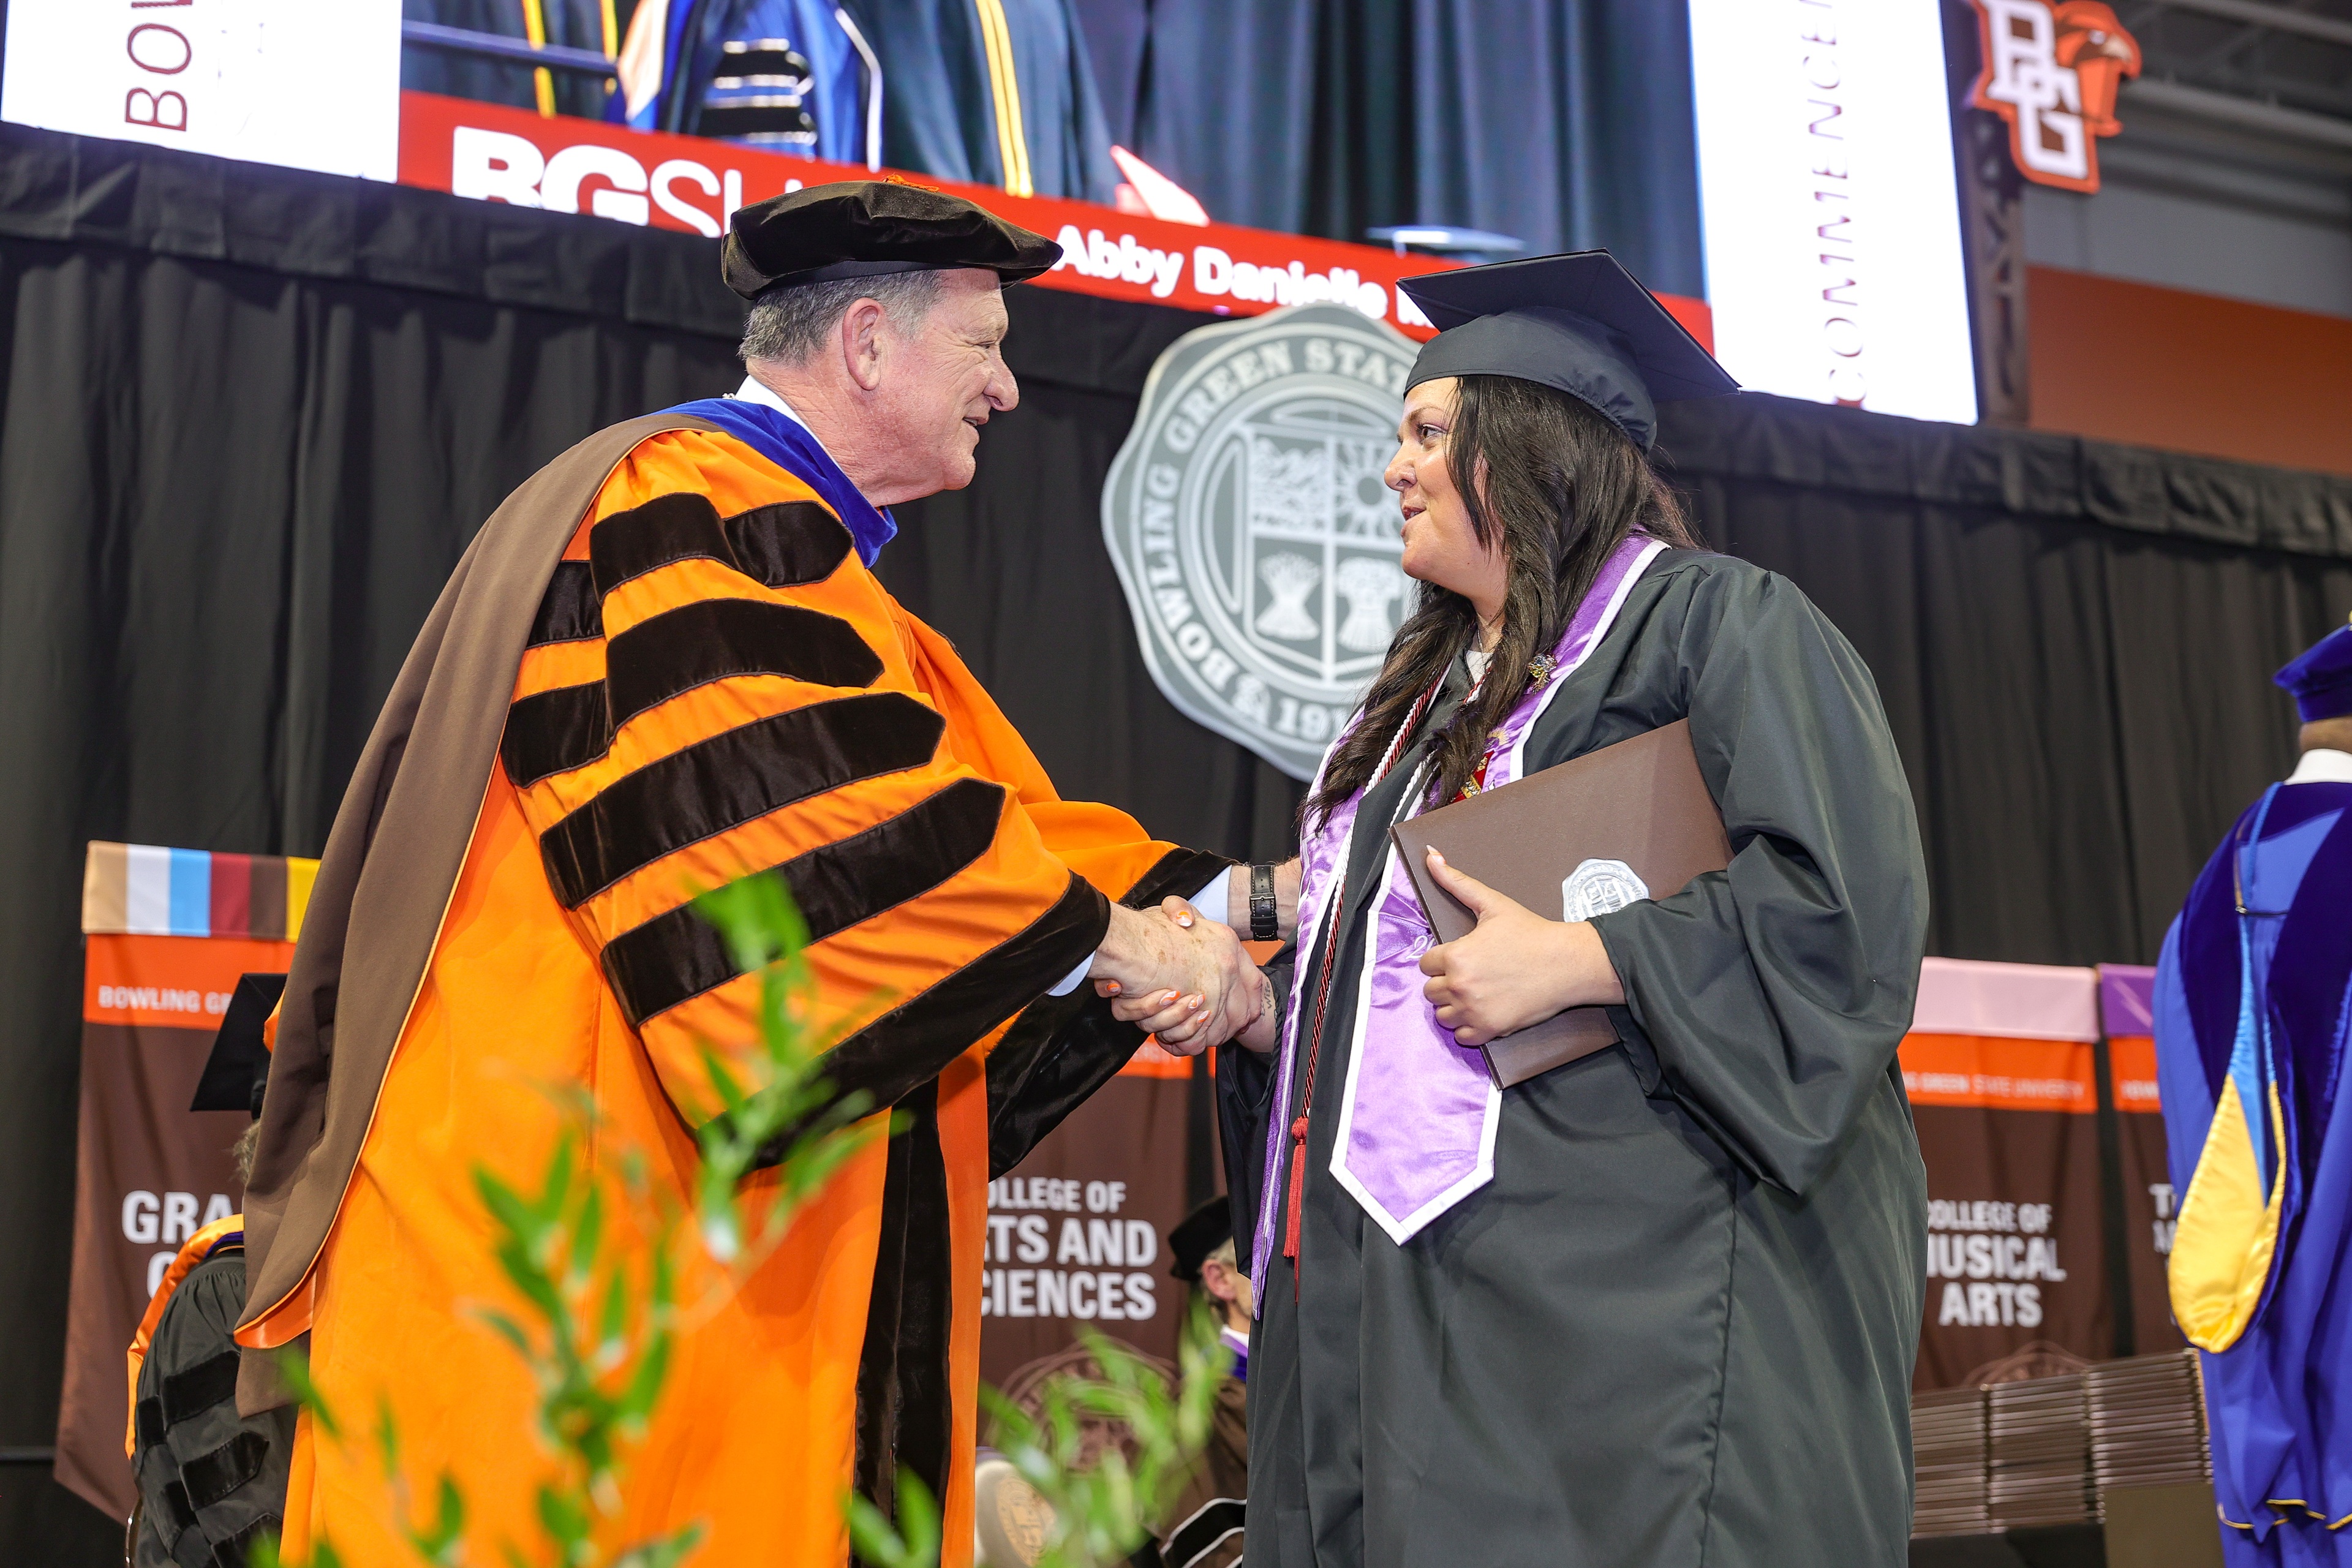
(1948,1450)
(2040,1438)
(1629,821)
(2148,1423)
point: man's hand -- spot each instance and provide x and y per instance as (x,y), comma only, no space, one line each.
(1183,978)
(1516,969)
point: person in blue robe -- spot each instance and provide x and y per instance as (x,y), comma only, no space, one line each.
(2250,1025)
(1001,93)
(797,76)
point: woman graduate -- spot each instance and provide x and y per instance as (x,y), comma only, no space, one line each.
(1658,1305)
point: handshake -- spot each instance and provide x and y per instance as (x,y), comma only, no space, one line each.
(1184,978)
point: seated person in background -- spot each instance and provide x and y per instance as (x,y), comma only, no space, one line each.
(1204,1527)
(211,1483)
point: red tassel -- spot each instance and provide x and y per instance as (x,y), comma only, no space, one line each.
(1297,1186)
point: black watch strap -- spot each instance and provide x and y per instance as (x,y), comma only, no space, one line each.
(1265,920)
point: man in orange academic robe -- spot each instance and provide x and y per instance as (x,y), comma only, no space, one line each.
(664,665)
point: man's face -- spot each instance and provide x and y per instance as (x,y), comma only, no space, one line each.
(942,378)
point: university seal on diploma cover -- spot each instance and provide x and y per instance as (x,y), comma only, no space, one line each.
(1251,528)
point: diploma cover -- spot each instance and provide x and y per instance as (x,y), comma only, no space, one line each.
(1629,821)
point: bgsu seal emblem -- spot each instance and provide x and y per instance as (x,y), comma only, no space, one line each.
(1251,531)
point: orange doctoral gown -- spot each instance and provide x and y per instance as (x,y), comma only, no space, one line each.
(714,685)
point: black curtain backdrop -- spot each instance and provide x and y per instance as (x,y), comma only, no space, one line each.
(1565,123)
(249,419)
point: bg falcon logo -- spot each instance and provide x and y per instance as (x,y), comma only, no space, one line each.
(2053,72)
(1251,528)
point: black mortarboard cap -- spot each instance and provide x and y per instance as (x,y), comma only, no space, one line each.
(2320,677)
(866,229)
(1199,1233)
(239,1065)
(1578,322)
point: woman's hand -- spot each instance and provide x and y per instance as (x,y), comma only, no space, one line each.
(1516,969)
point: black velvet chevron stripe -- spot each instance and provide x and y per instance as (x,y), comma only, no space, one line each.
(679,955)
(198,1388)
(780,544)
(711,639)
(552,733)
(911,1043)
(555,731)
(571,610)
(905,1404)
(731,779)
(211,1477)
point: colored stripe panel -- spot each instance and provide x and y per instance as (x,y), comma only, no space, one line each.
(299,875)
(2010,1001)
(147,905)
(192,893)
(105,885)
(145,889)
(232,905)
(2128,998)
(266,897)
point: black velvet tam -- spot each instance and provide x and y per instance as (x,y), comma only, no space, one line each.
(1578,322)
(1202,1232)
(239,1064)
(865,228)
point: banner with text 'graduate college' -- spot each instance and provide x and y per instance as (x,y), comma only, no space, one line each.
(166,934)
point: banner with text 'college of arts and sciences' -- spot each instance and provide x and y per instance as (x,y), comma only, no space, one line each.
(166,934)
(2002,1066)
(1077,1233)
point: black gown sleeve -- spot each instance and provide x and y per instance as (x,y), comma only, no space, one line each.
(1772,994)
(1244,1096)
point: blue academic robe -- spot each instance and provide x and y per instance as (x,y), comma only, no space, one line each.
(2251,1034)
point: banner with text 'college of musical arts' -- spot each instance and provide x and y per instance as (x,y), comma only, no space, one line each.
(2002,1068)
(166,934)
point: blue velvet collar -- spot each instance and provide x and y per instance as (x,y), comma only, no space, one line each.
(2310,971)
(786,442)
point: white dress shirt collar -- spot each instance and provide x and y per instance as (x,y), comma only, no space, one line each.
(2323,764)
(754,390)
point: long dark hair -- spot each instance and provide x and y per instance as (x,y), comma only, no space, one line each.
(1563,487)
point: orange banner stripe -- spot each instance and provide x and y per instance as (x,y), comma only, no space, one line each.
(2000,1074)
(2133,1057)
(174,981)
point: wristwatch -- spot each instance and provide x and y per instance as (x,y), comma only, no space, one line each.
(1266,921)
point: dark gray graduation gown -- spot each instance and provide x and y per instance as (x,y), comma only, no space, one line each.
(1678,1327)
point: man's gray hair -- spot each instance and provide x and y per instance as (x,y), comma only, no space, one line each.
(790,323)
